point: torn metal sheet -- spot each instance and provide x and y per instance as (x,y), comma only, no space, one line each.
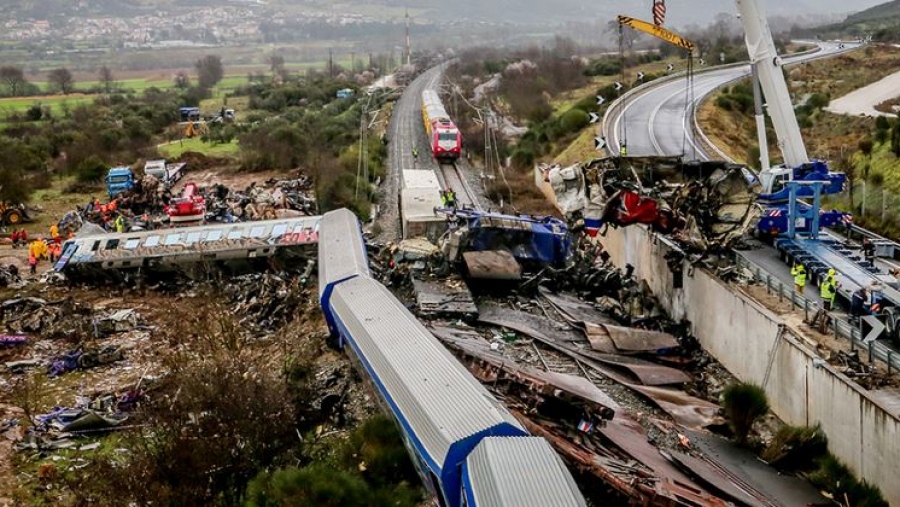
(574,310)
(744,469)
(631,478)
(645,372)
(685,409)
(715,479)
(639,340)
(492,265)
(504,375)
(447,298)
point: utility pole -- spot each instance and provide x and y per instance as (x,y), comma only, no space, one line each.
(353,62)
(408,47)
(330,63)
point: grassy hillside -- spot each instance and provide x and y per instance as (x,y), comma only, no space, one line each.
(881,22)
(877,13)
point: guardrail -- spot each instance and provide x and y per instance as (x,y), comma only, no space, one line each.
(841,328)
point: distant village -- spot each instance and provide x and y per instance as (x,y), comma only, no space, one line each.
(210,25)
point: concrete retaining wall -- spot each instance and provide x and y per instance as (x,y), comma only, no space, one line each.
(755,345)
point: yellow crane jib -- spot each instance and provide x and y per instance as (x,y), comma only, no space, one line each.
(656,31)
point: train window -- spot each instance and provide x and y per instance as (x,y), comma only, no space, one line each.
(257,232)
(152,241)
(172,239)
(214,235)
(112,244)
(278,231)
(132,243)
(192,238)
(447,136)
(235,234)
(96,246)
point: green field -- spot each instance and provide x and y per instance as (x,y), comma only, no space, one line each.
(176,148)
(54,102)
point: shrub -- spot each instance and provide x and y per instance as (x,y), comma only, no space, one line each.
(90,170)
(819,100)
(796,447)
(834,477)
(573,120)
(744,404)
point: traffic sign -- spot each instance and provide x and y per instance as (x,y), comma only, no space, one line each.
(877,328)
(600,100)
(599,143)
(640,76)
(618,86)
(594,117)
(670,67)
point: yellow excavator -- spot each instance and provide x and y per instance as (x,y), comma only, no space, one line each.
(12,215)
(656,31)
(195,128)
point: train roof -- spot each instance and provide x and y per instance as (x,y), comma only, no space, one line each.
(439,402)
(342,251)
(131,248)
(433,107)
(519,472)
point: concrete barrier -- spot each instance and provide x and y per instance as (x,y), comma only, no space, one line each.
(758,346)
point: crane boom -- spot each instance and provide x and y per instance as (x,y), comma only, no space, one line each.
(764,55)
(656,31)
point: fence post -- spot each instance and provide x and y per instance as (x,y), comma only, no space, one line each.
(871,346)
(889,359)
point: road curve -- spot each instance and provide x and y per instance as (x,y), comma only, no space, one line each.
(658,118)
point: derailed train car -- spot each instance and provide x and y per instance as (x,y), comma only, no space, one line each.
(461,439)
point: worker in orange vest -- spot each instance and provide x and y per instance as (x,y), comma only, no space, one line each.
(32,263)
(54,233)
(54,252)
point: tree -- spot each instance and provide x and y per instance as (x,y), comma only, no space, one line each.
(61,80)
(276,65)
(182,80)
(209,71)
(13,78)
(107,79)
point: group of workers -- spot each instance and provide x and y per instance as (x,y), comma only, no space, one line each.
(39,248)
(827,287)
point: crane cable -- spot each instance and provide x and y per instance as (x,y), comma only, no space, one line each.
(689,107)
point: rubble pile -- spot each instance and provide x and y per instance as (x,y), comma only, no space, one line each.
(263,302)
(706,207)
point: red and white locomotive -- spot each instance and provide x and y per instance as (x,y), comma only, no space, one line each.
(443,136)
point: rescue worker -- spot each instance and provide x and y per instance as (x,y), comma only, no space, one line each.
(868,249)
(799,274)
(23,237)
(415,152)
(828,290)
(55,249)
(120,224)
(54,233)
(32,263)
(443,199)
(14,237)
(623,151)
(858,303)
(451,198)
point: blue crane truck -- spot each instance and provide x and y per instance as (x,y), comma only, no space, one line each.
(118,180)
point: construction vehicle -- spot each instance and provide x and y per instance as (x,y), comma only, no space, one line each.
(195,128)
(167,174)
(13,214)
(802,178)
(118,180)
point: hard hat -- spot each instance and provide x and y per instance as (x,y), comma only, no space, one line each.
(831,272)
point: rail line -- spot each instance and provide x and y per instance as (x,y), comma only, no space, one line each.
(450,176)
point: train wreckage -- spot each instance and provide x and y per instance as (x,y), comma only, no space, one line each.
(703,206)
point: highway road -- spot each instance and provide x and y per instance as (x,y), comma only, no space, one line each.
(658,118)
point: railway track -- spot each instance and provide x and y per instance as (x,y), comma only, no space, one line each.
(451,176)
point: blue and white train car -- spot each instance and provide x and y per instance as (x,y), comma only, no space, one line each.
(511,472)
(443,411)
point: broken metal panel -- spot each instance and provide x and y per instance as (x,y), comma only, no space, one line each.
(575,310)
(716,480)
(685,409)
(533,326)
(633,479)
(492,265)
(444,298)
(534,387)
(743,469)
(639,340)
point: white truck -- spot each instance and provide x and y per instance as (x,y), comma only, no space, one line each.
(167,174)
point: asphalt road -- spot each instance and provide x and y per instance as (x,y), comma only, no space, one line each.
(658,120)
